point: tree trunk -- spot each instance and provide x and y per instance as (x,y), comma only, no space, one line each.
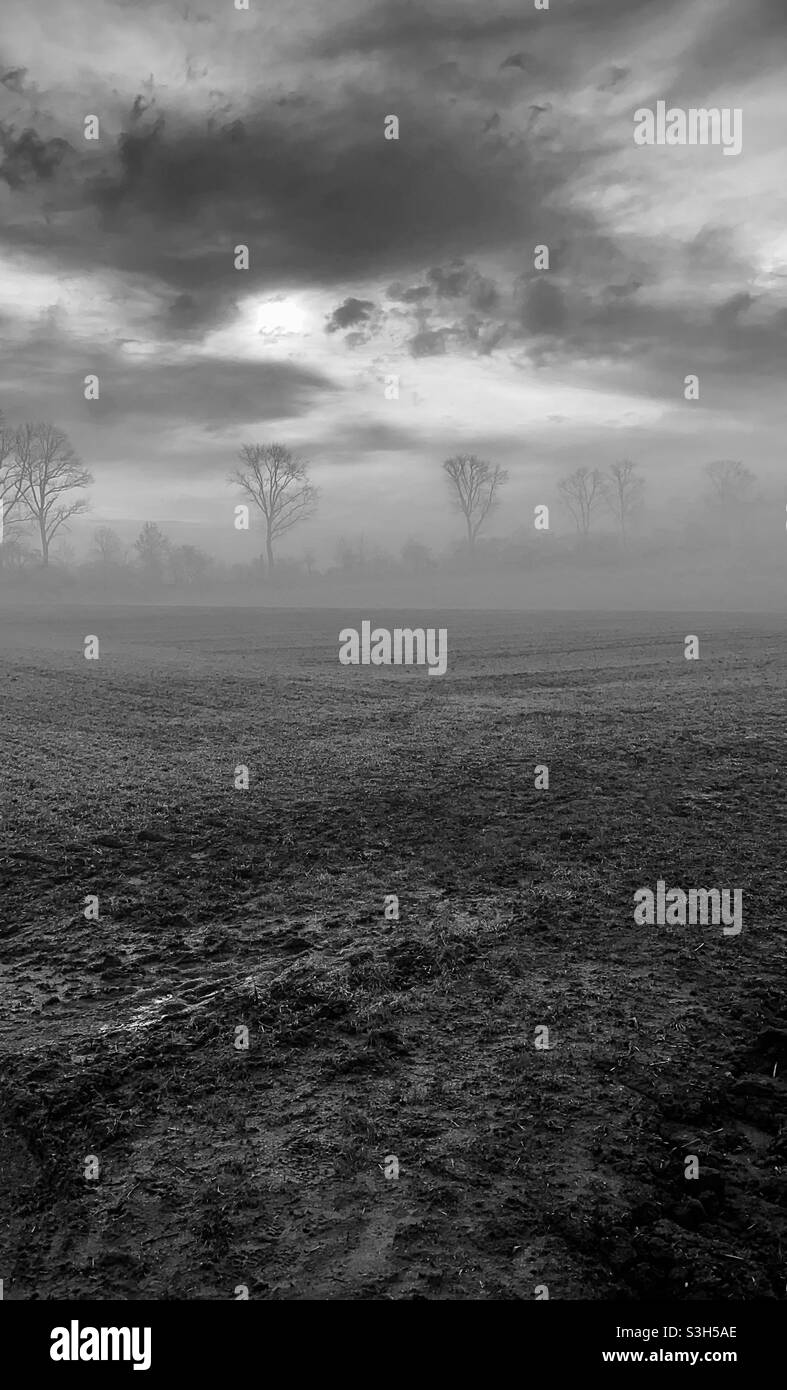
(269,549)
(44,543)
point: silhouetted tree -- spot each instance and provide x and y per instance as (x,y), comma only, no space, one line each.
(730,482)
(581,491)
(10,476)
(277,483)
(475,485)
(350,555)
(153,550)
(109,546)
(49,469)
(730,489)
(623,488)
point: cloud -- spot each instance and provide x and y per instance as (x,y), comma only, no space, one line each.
(613,78)
(460,280)
(416,294)
(207,393)
(522,61)
(542,307)
(428,343)
(13,79)
(26,157)
(191,314)
(212,393)
(351,312)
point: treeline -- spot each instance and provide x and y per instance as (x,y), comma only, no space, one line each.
(42,484)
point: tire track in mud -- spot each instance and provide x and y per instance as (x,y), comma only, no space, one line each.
(413,1039)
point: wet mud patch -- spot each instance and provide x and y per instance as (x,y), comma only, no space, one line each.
(370,1038)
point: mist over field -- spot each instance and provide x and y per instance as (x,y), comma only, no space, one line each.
(715,560)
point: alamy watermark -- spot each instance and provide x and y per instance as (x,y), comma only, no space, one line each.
(75,1343)
(696,126)
(672,907)
(404,646)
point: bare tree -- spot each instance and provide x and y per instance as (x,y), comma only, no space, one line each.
(49,469)
(730,482)
(109,546)
(623,489)
(350,555)
(730,489)
(475,485)
(580,492)
(278,484)
(10,476)
(153,551)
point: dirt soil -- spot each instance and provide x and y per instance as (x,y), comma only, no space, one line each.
(372,1039)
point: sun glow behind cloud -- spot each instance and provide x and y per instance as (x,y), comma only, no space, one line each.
(281,315)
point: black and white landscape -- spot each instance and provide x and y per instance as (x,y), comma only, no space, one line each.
(392,649)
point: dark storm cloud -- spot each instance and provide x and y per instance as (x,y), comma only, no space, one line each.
(304,177)
(428,343)
(28,158)
(660,345)
(523,61)
(316,199)
(464,281)
(578,310)
(416,294)
(393,27)
(14,79)
(191,315)
(311,186)
(210,393)
(356,440)
(543,310)
(350,313)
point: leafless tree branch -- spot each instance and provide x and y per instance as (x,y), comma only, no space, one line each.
(278,483)
(475,485)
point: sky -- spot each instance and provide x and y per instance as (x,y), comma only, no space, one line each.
(373,258)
